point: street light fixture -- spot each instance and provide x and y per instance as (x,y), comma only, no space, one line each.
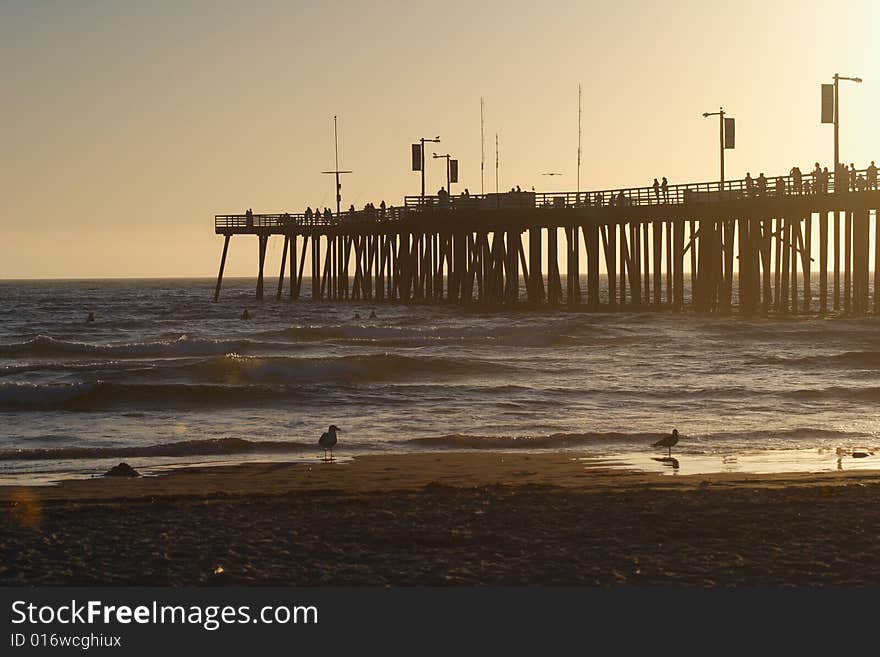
(837,79)
(435,140)
(720,114)
(449,162)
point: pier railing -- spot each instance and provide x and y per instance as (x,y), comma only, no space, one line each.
(310,220)
(680,194)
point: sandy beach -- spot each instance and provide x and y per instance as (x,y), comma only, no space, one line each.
(451,518)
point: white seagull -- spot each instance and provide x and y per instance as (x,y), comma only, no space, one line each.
(667,441)
(328,440)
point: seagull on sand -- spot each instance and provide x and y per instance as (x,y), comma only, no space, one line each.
(328,440)
(668,441)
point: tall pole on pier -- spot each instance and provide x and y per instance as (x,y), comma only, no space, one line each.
(837,79)
(496,163)
(579,146)
(435,140)
(336,171)
(449,161)
(482,150)
(720,114)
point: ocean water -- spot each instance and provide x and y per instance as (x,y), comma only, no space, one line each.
(164,376)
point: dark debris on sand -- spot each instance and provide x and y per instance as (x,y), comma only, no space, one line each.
(122,470)
(494,535)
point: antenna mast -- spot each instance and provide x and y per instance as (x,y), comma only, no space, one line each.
(482,150)
(496,162)
(336,170)
(579,145)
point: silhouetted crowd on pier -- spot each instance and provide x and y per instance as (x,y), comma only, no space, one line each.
(818,181)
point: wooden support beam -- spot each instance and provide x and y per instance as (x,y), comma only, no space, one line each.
(222,267)
(264,240)
(624,264)
(657,244)
(292,274)
(302,266)
(609,244)
(572,285)
(847,262)
(693,247)
(823,263)
(678,229)
(326,291)
(836,296)
(316,267)
(726,283)
(861,241)
(635,265)
(472,258)
(523,264)
(766,248)
(646,263)
(777,286)
(511,285)
(743,245)
(591,241)
(877,261)
(554,282)
(807,261)
(536,275)
(283,264)
(785,294)
(670,295)
(793,229)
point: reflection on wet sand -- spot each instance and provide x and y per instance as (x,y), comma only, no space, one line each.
(668,461)
(758,462)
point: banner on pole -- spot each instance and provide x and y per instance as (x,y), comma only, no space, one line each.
(416,157)
(729,133)
(827,103)
(453,171)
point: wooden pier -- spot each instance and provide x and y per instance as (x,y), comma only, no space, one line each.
(749,245)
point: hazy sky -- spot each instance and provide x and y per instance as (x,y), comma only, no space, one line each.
(128,125)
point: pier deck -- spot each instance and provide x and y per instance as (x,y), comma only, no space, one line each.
(471,249)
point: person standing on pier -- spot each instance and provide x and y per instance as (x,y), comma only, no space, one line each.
(762,185)
(750,184)
(872,176)
(817,179)
(308,214)
(796,180)
(656,190)
(852,177)
(780,186)
(665,187)
(841,178)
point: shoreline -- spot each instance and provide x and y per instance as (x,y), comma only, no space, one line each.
(566,468)
(457,518)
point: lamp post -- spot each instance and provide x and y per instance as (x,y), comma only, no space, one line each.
(720,114)
(837,79)
(435,140)
(447,157)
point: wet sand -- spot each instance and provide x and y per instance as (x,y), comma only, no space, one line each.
(450,518)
